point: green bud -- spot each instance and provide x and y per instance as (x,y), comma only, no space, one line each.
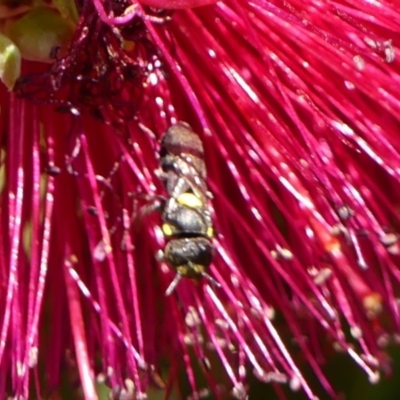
(39,32)
(10,62)
(67,9)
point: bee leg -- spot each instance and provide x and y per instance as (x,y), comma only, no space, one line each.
(187,183)
(160,256)
(155,203)
(161,175)
(169,206)
(173,284)
(210,279)
(182,185)
(209,195)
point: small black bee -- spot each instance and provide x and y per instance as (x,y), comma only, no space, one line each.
(187,223)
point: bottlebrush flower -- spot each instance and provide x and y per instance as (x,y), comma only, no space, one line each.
(297,106)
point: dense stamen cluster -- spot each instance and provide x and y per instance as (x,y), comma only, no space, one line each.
(115,69)
(297,108)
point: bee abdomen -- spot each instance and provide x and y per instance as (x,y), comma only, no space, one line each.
(191,255)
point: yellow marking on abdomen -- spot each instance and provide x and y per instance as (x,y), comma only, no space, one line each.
(189,200)
(167,229)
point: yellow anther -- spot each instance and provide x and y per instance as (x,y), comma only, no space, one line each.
(373,304)
(210,232)
(167,229)
(2,170)
(183,270)
(198,268)
(43,185)
(73,259)
(129,45)
(27,238)
(189,200)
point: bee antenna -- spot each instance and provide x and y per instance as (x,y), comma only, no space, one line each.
(210,279)
(172,286)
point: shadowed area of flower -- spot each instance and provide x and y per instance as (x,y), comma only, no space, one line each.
(297,106)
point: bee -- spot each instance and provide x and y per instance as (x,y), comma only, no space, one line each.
(187,223)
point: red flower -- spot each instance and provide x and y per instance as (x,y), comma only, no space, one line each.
(298,109)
